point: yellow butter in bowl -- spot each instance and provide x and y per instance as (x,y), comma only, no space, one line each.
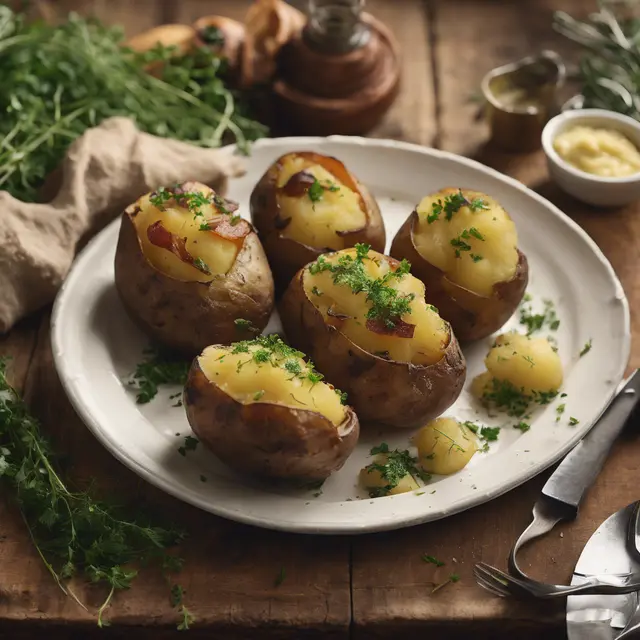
(599,151)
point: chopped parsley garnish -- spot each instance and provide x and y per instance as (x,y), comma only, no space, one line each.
(201,265)
(587,347)
(504,396)
(280,577)
(460,245)
(432,560)
(157,369)
(475,257)
(472,426)
(536,321)
(272,350)
(190,444)
(522,426)
(257,395)
(559,410)
(316,291)
(393,466)
(451,204)
(490,434)
(177,593)
(529,359)
(186,619)
(432,308)
(243,324)
(387,304)
(454,577)
(383,447)
(160,197)
(573,421)
(316,189)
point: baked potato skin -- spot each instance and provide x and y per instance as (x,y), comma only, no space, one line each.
(286,255)
(398,394)
(265,439)
(472,316)
(188,316)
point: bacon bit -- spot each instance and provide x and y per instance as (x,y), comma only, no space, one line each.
(298,184)
(161,237)
(337,314)
(223,227)
(401,329)
(225,206)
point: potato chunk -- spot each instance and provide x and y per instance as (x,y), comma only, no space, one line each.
(344,303)
(529,364)
(445,446)
(469,236)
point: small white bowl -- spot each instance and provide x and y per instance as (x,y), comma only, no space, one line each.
(587,187)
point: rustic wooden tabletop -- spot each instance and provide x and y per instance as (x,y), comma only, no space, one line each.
(372,586)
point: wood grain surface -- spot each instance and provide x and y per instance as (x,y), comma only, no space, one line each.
(372,586)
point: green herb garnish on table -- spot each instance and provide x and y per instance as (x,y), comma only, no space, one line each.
(74,533)
(60,80)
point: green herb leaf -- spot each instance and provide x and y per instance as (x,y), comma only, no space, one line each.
(432,560)
(190,444)
(522,426)
(573,421)
(586,348)
(280,577)
(490,433)
(73,532)
(157,369)
(61,79)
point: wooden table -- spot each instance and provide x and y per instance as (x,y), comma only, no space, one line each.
(372,586)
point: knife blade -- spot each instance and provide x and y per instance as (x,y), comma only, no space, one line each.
(577,472)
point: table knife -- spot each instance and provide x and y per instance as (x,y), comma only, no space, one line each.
(564,490)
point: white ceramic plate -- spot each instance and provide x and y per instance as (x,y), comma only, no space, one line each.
(96,347)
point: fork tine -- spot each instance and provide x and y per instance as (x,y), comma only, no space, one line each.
(490,586)
(503,582)
(497,585)
(481,582)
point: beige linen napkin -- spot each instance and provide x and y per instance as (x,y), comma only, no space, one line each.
(106,169)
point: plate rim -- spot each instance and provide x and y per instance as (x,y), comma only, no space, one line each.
(349,527)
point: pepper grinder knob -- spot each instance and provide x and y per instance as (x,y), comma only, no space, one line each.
(340,74)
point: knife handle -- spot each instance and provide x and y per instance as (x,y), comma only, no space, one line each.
(577,472)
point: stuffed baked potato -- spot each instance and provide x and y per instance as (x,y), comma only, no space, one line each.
(307,204)
(263,410)
(364,321)
(463,245)
(189,271)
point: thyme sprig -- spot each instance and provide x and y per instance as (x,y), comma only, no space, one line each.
(74,533)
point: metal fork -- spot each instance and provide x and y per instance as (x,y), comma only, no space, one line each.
(502,584)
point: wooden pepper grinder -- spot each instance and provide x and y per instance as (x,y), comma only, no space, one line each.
(339,74)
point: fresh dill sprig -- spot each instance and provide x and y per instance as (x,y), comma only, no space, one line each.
(74,532)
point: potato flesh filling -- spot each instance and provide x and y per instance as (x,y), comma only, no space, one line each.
(315,214)
(283,380)
(529,364)
(211,254)
(469,236)
(348,311)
